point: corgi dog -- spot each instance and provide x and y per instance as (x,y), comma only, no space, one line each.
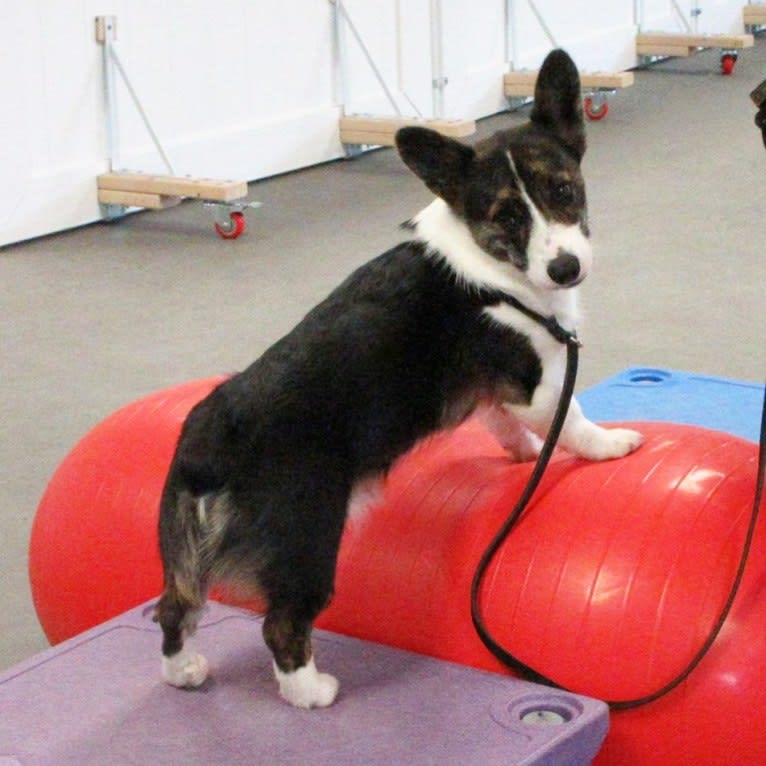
(268,464)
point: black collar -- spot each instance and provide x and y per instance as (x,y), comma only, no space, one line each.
(492,297)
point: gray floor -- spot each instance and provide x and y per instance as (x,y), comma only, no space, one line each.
(97,317)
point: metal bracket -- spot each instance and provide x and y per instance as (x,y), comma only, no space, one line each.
(106,34)
(221,211)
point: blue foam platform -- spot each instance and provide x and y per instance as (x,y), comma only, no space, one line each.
(645,393)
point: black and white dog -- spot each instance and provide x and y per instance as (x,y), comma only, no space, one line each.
(415,340)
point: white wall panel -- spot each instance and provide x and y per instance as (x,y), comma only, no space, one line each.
(475,56)
(248,88)
(659,16)
(237,88)
(715,17)
(721,17)
(51,130)
(229,87)
(376,21)
(415,55)
(599,34)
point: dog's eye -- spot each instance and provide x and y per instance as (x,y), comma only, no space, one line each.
(506,216)
(507,219)
(563,193)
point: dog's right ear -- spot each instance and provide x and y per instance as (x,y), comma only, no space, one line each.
(440,162)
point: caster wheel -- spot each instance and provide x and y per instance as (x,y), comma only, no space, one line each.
(593,112)
(727,63)
(233,229)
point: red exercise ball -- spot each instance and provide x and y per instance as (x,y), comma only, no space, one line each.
(610,582)
(93,551)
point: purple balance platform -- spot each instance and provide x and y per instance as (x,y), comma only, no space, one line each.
(98,699)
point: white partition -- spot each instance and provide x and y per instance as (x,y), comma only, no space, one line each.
(50,128)
(690,16)
(600,35)
(376,25)
(249,88)
(234,89)
(475,57)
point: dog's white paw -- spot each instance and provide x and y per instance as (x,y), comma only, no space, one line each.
(526,448)
(185,669)
(610,443)
(307,687)
(521,444)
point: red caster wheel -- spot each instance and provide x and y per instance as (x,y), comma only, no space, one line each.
(234,228)
(593,111)
(727,63)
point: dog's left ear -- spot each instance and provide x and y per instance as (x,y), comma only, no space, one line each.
(558,101)
(441,162)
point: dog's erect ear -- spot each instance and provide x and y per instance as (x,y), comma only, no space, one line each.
(558,101)
(441,162)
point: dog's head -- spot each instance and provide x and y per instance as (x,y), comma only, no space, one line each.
(520,193)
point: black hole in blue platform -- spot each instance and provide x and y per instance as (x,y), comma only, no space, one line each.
(649,377)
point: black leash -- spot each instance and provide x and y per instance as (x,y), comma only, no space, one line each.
(569,339)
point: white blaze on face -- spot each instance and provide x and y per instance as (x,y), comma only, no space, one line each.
(550,238)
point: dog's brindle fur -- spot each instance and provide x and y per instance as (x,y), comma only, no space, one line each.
(265,466)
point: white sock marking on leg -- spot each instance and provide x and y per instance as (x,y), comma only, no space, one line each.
(306,687)
(185,669)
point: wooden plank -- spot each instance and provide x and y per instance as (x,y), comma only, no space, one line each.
(665,50)
(523,80)
(607,80)
(136,199)
(733,42)
(369,138)
(380,131)
(454,128)
(173,186)
(523,83)
(754,14)
(519,91)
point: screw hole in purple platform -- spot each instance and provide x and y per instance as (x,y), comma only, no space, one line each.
(538,710)
(548,715)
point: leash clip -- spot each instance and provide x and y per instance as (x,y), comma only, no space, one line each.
(566,337)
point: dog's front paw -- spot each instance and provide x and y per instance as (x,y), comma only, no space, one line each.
(185,669)
(515,438)
(610,443)
(306,687)
(526,448)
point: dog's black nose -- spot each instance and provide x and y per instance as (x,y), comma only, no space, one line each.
(564,268)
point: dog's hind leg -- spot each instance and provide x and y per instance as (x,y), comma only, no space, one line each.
(184,596)
(181,665)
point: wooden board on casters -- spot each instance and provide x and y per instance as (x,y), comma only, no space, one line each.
(754,14)
(136,199)
(380,131)
(522,83)
(662,44)
(157,192)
